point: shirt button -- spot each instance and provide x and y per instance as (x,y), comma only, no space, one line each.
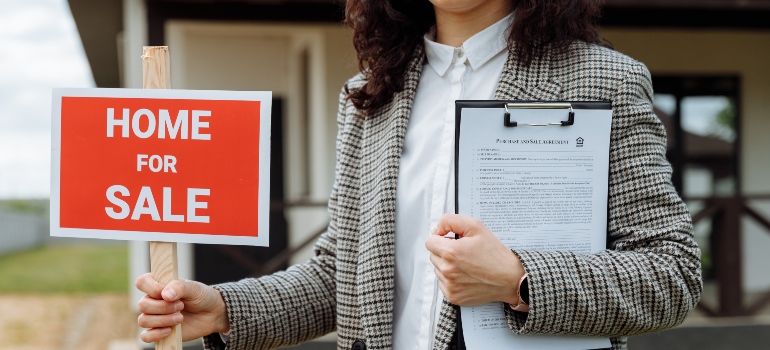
(460,53)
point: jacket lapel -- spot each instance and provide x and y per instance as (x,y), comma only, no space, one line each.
(383,139)
(527,83)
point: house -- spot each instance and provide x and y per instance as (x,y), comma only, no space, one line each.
(710,62)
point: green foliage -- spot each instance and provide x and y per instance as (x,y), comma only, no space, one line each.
(27,206)
(723,126)
(66,269)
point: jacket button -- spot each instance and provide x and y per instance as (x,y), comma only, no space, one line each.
(358,345)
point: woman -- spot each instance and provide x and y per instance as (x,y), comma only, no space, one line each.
(372,278)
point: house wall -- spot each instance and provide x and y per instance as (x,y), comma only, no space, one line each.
(251,56)
(746,54)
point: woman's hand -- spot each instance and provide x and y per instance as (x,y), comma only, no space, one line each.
(475,269)
(199,308)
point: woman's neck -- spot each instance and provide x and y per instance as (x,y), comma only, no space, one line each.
(455,25)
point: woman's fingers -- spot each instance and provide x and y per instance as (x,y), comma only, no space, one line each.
(475,269)
(184,290)
(460,225)
(175,290)
(160,321)
(155,334)
(149,286)
(440,246)
(152,306)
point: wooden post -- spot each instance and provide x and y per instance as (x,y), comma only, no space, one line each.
(163,259)
(727,260)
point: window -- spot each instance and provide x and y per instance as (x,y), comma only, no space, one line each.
(701,117)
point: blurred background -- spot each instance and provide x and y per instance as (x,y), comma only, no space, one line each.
(709,59)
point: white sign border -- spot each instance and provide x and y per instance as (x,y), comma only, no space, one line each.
(266,99)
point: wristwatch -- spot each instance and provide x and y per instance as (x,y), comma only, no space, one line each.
(524,290)
(523,305)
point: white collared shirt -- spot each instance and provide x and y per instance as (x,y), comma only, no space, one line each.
(425,189)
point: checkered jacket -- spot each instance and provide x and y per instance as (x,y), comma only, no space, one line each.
(648,280)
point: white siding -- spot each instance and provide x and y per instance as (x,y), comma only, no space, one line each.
(21,231)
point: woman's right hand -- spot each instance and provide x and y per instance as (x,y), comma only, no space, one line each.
(198,307)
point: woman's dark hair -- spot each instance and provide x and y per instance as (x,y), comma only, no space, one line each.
(386,34)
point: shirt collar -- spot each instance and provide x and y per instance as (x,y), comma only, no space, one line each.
(477,50)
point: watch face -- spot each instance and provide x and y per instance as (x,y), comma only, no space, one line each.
(524,290)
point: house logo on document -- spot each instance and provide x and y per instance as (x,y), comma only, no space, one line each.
(579,142)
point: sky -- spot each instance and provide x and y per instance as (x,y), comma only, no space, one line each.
(40,49)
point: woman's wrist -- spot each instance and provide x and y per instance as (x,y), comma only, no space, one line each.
(516,272)
(222,321)
(522,303)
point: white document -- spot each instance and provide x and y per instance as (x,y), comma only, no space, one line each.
(535,188)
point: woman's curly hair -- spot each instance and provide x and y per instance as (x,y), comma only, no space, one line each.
(387,32)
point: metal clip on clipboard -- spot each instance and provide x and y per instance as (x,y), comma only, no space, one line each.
(537,105)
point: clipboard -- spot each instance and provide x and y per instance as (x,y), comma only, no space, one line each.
(511,117)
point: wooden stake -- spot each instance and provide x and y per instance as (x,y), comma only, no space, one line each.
(163,260)
(156,73)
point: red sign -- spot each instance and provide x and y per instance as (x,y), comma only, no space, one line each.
(162,168)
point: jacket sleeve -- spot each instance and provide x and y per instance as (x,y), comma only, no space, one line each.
(650,278)
(288,307)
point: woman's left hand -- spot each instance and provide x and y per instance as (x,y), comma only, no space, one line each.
(476,269)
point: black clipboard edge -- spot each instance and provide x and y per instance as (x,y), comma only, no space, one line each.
(459,105)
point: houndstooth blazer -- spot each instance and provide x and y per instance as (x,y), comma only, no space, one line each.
(648,280)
